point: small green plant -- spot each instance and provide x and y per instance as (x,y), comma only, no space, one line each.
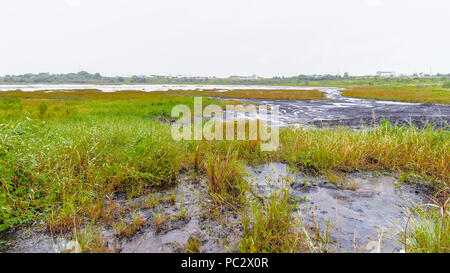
(129,228)
(192,245)
(225,176)
(111,212)
(180,216)
(169,199)
(318,240)
(150,201)
(90,240)
(64,219)
(407,177)
(270,227)
(428,229)
(159,220)
(334,178)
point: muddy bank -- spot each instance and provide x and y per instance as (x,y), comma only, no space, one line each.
(352,112)
(184,213)
(217,232)
(362,213)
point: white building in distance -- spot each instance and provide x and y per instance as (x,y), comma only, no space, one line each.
(386,74)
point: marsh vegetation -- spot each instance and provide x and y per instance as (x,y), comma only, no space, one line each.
(66,156)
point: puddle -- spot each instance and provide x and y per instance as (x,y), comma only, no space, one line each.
(361,217)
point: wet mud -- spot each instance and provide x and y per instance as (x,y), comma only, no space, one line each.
(353,112)
(215,231)
(364,213)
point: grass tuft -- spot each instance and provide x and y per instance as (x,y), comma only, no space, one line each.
(270,227)
(225,176)
(428,229)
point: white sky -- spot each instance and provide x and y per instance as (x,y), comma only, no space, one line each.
(222,38)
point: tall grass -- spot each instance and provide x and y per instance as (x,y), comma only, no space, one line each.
(274,94)
(407,94)
(428,229)
(60,162)
(225,176)
(269,227)
(386,147)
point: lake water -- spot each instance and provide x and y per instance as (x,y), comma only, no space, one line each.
(144,87)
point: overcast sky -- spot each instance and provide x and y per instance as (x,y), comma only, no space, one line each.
(226,37)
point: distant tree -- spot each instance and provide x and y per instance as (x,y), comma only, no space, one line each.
(138,79)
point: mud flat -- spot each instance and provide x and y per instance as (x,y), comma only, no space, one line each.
(355,113)
(217,232)
(214,233)
(361,214)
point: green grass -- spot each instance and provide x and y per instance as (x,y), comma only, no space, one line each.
(193,245)
(61,162)
(408,94)
(225,177)
(428,229)
(128,228)
(387,147)
(269,227)
(273,94)
(89,240)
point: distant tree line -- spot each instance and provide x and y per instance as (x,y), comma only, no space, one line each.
(97,78)
(80,77)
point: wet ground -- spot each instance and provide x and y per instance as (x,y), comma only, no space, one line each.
(215,231)
(364,213)
(353,112)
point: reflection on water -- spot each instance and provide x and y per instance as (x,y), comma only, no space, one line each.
(143,87)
